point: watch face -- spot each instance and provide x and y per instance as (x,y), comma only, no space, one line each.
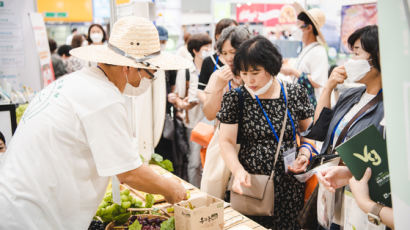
(373,219)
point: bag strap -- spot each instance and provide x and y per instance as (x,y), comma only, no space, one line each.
(282,131)
(240,107)
(371,103)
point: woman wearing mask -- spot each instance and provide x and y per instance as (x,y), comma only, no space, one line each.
(96,35)
(214,62)
(265,103)
(356,109)
(223,79)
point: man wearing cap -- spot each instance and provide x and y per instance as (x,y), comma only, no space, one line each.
(312,65)
(74,135)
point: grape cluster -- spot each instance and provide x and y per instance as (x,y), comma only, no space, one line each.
(109,211)
(96,225)
(147,223)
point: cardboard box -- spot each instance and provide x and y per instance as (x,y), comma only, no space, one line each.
(208,213)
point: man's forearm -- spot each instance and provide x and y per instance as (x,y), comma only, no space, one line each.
(145,179)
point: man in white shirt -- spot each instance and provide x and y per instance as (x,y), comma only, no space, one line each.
(74,135)
(312,63)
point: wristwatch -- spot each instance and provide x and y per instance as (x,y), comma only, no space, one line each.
(373,215)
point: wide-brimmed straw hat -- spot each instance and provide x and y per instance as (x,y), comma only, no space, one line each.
(317,17)
(133,42)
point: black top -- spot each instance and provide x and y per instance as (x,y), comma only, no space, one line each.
(207,69)
(258,146)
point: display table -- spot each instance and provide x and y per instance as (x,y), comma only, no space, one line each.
(233,219)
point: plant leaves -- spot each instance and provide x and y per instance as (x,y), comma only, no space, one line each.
(168,224)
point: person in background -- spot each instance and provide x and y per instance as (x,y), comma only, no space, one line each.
(78,41)
(183,50)
(199,45)
(3,147)
(223,79)
(58,65)
(213,62)
(360,190)
(311,70)
(71,63)
(258,62)
(163,37)
(363,67)
(96,35)
(70,37)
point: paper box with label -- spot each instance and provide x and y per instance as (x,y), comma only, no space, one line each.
(205,212)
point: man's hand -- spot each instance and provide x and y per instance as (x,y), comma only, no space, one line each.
(176,191)
(172,97)
(334,177)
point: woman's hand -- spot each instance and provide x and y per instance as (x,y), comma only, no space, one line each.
(289,71)
(172,98)
(360,190)
(334,177)
(241,178)
(222,77)
(301,162)
(338,76)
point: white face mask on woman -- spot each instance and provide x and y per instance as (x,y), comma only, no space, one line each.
(130,90)
(96,37)
(262,90)
(356,69)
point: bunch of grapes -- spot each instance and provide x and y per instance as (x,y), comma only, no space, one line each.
(96,225)
(147,223)
(109,211)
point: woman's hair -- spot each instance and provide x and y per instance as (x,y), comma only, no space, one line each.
(187,36)
(222,24)
(89,32)
(306,20)
(196,41)
(64,49)
(52,44)
(77,41)
(257,51)
(235,34)
(2,138)
(369,39)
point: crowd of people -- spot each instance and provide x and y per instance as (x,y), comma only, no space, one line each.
(246,89)
(269,117)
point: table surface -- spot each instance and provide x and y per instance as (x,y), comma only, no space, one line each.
(233,219)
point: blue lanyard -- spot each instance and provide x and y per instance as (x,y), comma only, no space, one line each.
(338,123)
(270,123)
(230,86)
(216,63)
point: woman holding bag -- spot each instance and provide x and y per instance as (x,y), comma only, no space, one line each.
(263,113)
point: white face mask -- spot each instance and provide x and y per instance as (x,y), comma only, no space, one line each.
(130,90)
(206,53)
(163,47)
(96,37)
(297,34)
(356,69)
(262,90)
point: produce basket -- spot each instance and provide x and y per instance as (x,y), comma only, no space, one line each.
(111,226)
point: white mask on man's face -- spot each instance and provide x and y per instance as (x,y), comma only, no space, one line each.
(130,90)
(297,34)
(96,37)
(356,69)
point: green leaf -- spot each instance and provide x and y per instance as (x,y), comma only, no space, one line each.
(156,158)
(149,200)
(135,226)
(167,164)
(122,218)
(168,224)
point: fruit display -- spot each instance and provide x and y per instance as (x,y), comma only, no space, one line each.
(109,211)
(97,225)
(157,159)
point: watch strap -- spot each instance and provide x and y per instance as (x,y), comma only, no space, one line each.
(375,210)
